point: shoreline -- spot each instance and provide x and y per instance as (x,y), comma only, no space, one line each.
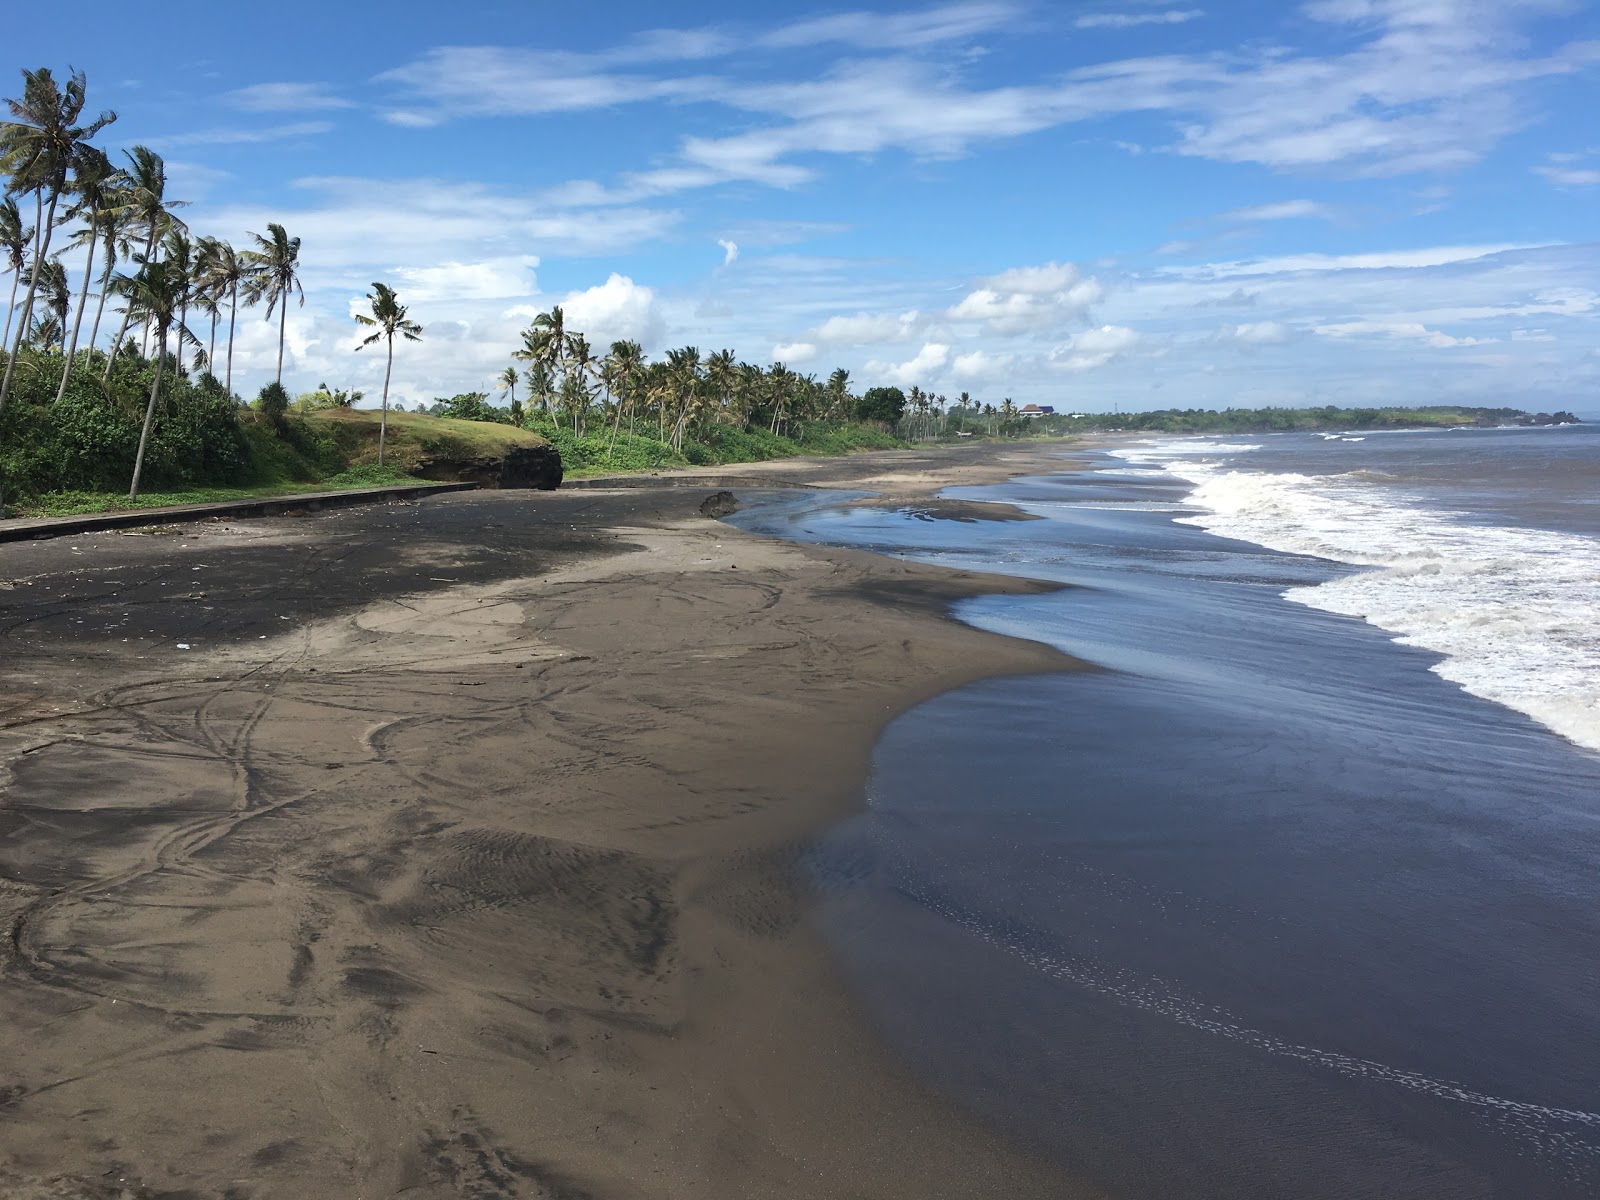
(485,885)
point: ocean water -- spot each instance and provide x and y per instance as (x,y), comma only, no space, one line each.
(1298,894)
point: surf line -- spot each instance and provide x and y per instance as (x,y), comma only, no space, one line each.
(1154,995)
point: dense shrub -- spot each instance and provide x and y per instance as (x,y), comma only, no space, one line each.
(272,402)
(87,440)
(472,406)
(596,449)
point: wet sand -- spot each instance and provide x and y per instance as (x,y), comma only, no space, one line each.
(455,856)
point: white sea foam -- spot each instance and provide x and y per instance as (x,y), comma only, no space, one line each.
(1511,609)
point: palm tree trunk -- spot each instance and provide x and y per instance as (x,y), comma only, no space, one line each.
(211,347)
(41,246)
(233,315)
(149,416)
(383,421)
(615,426)
(11,306)
(127,316)
(283,321)
(100,308)
(77,321)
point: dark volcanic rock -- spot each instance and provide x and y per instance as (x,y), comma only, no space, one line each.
(718,505)
(521,467)
(1560,418)
(532,467)
(456,469)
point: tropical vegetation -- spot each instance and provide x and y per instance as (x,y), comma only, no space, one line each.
(76,412)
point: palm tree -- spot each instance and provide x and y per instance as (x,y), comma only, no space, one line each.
(178,249)
(388,318)
(46,332)
(624,367)
(275,276)
(14,239)
(780,381)
(722,376)
(838,392)
(148,208)
(684,370)
(157,293)
(545,344)
(508,380)
(581,364)
(116,223)
(56,294)
(538,380)
(223,269)
(39,147)
(97,185)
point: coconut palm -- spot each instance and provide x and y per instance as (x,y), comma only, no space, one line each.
(178,249)
(838,393)
(545,344)
(116,241)
(275,277)
(46,332)
(581,364)
(40,146)
(150,210)
(508,380)
(722,376)
(780,384)
(624,368)
(388,318)
(96,184)
(157,293)
(539,385)
(223,270)
(55,293)
(14,239)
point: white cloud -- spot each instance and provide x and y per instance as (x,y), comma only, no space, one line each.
(1256,333)
(617,309)
(286,97)
(1570,176)
(1280,210)
(231,137)
(979,365)
(1171,16)
(1401,330)
(1416,85)
(730,251)
(455,81)
(865,329)
(928,361)
(353,227)
(793,352)
(1027,298)
(1094,348)
(900,31)
(1431,256)
(493,279)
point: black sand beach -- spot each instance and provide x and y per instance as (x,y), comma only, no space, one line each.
(449,849)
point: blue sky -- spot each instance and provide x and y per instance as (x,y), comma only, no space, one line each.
(1147,204)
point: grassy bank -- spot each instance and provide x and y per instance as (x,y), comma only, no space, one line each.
(602,453)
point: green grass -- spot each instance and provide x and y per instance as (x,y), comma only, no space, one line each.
(439,434)
(75,504)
